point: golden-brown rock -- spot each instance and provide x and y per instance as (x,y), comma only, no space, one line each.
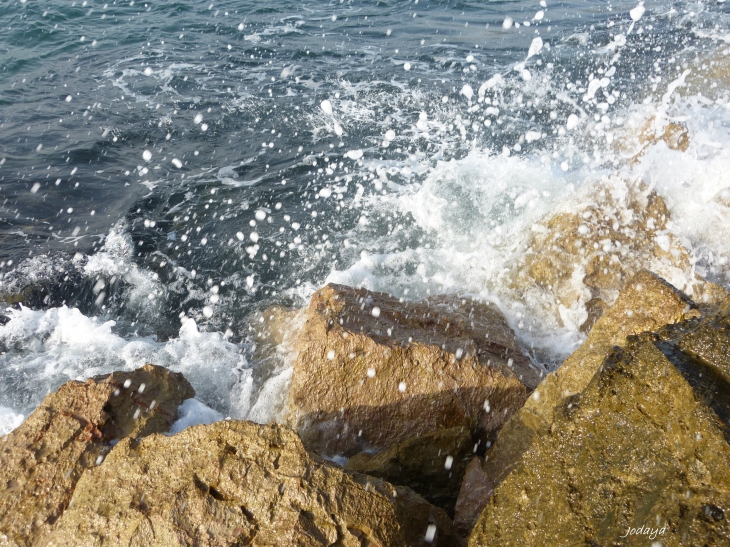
(646,304)
(372,371)
(583,258)
(238,483)
(633,141)
(638,453)
(42,460)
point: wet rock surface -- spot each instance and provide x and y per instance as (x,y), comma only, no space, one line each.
(239,483)
(639,447)
(70,432)
(631,433)
(646,304)
(372,372)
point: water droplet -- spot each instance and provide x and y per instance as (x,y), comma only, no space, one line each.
(326,107)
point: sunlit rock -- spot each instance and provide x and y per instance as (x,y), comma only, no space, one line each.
(640,447)
(584,257)
(646,304)
(239,483)
(372,371)
(72,431)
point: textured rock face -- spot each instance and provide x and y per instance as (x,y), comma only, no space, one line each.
(42,460)
(708,341)
(238,483)
(587,255)
(431,464)
(372,372)
(651,453)
(646,304)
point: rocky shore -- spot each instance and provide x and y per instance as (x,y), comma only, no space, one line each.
(406,423)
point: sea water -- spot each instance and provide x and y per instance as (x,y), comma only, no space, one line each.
(169,170)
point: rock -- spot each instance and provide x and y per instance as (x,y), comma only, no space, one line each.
(432,464)
(708,295)
(238,483)
(372,371)
(638,449)
(632,143)
(707,341)
(42,460)
(647,303)
(413,511)
(475,491)
(709,75)
(578,261)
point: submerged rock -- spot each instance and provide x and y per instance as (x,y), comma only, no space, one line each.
(431,464)
(70,432)
(240,483)
(647,303)
(372,371)
(639,134)
(584,257)
(639,452)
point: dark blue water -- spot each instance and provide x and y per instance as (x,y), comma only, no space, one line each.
(166,160)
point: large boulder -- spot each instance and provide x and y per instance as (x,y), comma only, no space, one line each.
(372,371)
(239,483)
(70,432)
(639,455)
(646,304)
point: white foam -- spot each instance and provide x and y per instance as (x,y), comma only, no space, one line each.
(114,261)
(9,420)
(62,344)
(193,412)
(479,212)
(272,398)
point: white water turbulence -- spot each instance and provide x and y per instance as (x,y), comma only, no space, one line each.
(529,154)
(62,344)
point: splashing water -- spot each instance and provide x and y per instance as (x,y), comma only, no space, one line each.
(182,167)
